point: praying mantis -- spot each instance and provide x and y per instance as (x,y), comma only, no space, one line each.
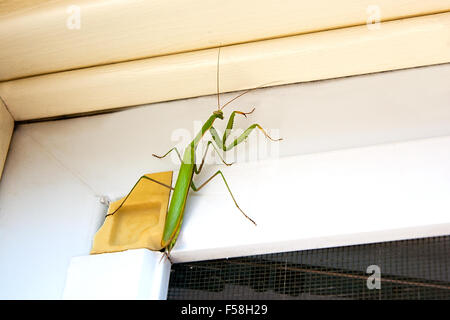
(189,168)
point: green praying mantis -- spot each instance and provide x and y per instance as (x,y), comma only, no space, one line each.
(189,167)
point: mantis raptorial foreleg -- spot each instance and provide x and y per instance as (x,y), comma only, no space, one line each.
(229,190)
(231,122)
(222,142)
(126,198)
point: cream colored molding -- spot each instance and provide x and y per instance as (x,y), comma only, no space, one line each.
(6,130)
(343,52)
(41,36)
(9,7)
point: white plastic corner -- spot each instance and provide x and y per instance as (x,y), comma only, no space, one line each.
(138,274)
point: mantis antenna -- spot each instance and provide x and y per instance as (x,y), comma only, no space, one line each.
(247,91)
(218,87)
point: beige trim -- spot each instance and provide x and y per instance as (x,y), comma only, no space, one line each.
(6,130)
(36,39)
(344,52)
(9,7)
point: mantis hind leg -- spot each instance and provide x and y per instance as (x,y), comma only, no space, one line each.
(134,187)
(229,190)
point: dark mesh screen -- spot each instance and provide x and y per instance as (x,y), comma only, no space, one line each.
(410,269)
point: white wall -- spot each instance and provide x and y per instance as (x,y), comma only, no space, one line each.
(389,137)
(6,130)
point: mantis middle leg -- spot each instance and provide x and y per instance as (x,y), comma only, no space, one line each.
(174,148)
(197,170)
(229,190)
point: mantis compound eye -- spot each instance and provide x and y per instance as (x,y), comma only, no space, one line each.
(219,114)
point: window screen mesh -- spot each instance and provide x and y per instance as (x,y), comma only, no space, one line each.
(410,269)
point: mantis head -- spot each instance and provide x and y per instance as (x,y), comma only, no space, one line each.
(218,114)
